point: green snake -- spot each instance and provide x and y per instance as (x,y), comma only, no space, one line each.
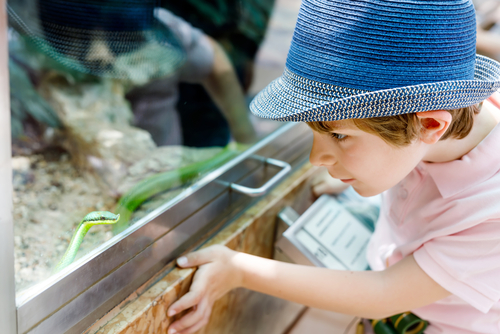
(139,193)
(93,218)
(161,182)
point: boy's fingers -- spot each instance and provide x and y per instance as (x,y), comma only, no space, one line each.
(190,299)
(319,189)
(199,324)
(332,186)
(196,258)
(190,319)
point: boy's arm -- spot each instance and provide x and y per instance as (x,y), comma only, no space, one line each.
(370,294)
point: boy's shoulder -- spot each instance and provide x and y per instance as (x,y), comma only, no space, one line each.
(476,173)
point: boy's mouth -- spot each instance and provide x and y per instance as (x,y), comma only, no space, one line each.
(343,180)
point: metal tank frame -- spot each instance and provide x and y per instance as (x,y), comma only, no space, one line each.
(7,280)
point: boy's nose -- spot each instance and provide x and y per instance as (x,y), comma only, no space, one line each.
(320,154)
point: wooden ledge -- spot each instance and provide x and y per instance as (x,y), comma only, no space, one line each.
(240,311)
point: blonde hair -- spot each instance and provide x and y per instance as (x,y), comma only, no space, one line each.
(401,130)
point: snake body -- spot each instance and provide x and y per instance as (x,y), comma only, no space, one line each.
(93,218)
(138,194)
(163,181)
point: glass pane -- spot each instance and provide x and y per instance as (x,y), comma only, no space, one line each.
(121,106)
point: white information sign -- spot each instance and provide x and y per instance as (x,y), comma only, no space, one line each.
(328,236)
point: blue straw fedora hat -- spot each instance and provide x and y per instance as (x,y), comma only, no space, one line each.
(108,38)
(373,58)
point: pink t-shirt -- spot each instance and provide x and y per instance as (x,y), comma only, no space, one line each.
(448,216)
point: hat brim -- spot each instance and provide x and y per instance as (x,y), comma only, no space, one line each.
(298,99)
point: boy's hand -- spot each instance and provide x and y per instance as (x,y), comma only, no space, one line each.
(323,183)
(215,277)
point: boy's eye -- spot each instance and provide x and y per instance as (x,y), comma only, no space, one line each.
(338,136)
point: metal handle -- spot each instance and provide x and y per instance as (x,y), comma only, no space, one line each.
(254,192)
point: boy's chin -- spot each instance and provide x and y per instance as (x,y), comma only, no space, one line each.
(366,191)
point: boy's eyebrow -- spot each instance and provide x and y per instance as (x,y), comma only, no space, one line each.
(331,126)
(336,125)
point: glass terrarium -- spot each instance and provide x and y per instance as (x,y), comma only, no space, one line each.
(137,109)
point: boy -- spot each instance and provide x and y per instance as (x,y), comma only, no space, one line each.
(391,90)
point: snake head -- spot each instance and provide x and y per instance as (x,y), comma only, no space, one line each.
(100,217)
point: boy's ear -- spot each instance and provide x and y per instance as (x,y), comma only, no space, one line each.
(434,125)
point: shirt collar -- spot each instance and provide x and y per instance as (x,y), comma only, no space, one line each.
(475,167)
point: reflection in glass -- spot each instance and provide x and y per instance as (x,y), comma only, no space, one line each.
(106,115)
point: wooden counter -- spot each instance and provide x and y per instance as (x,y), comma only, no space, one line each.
(240,311)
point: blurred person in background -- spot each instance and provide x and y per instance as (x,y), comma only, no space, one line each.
(206,64)
(159,48)
(239,27)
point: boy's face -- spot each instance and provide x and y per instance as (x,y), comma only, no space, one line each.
(363,160)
